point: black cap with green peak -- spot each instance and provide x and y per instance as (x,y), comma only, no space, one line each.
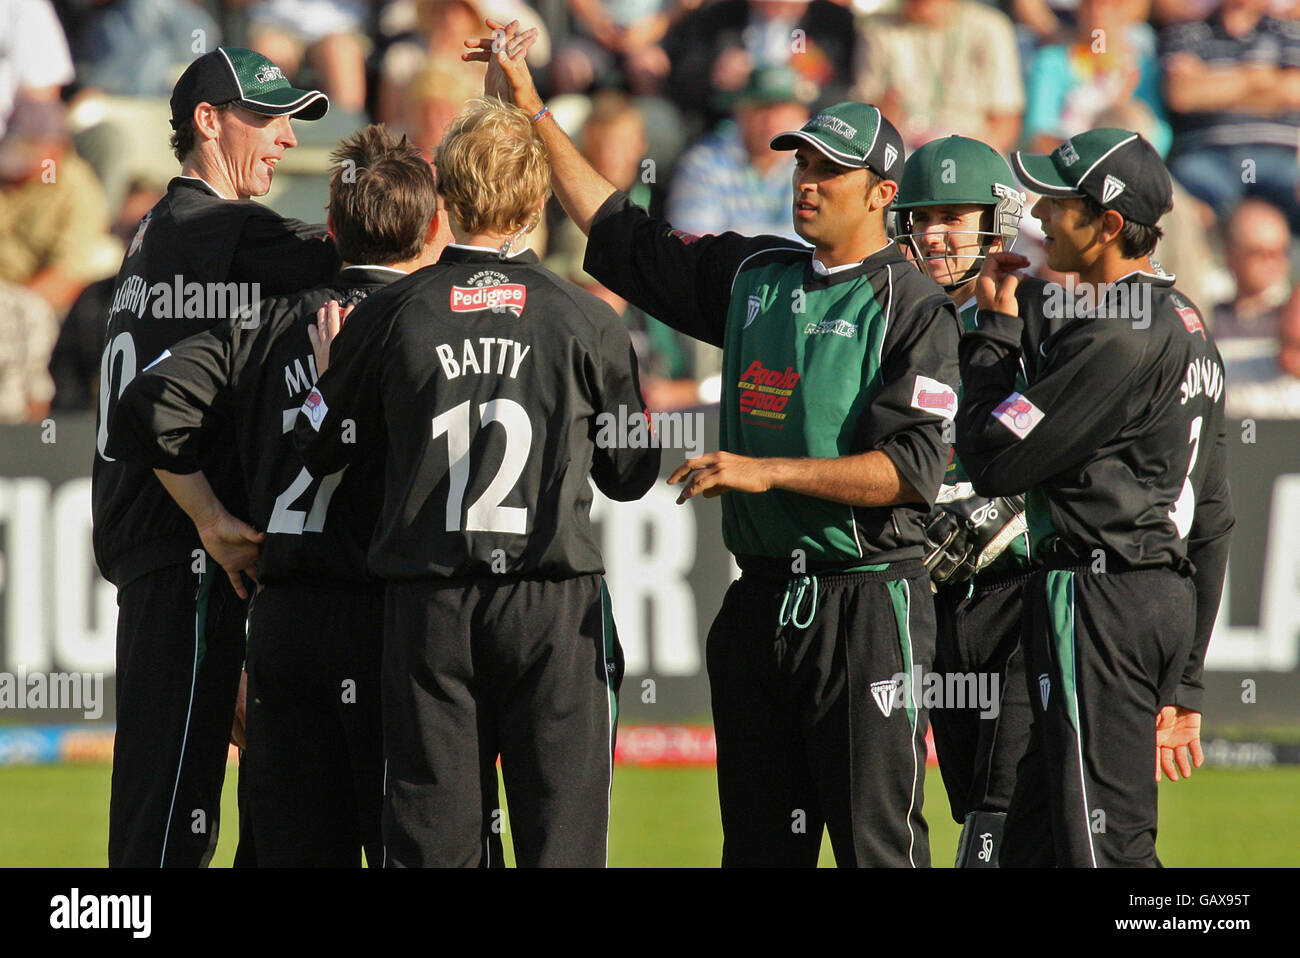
(247,79)
(1117,168)
(851,134)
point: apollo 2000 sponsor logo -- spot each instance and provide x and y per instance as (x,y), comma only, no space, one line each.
(489,290)
(764,393)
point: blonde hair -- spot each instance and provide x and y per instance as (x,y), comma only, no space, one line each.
(493,171)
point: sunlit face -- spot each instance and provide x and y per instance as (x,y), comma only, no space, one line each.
(830,200)
(1070,244)
(949,237)
(251,145)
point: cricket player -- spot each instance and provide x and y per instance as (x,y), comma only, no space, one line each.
(203,250)
(1119,442)
(957,204)
(481,383)
(315,753)
(838,376)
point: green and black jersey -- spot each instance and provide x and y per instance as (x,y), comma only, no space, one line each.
(1038,325)
(815,364)
(1119,439)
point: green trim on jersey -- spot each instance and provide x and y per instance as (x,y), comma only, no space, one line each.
(900,596)
(1060,608)
(781,339)
(201,614)
(609,633)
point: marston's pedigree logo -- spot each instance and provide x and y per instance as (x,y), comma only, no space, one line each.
(489,290)
(764,392)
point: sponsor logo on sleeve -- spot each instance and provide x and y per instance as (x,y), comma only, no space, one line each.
(139,234)
(930,395)
(315,408)
(1018,414)
(1191,321)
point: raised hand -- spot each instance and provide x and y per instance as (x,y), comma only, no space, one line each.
(329,320)
(507,74)
(995,287)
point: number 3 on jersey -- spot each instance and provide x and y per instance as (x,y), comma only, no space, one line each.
(486,514)
(1184,510)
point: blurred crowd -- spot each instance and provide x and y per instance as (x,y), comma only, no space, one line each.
(673,101)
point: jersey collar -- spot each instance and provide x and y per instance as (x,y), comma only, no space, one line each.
(456,253)
(819,276)
(197,181)
(368,275)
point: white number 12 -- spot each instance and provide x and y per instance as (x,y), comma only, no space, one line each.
(486,514)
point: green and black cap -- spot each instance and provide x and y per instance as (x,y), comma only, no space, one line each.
(851,134)
(247,79)
(1117,168)
(956,171)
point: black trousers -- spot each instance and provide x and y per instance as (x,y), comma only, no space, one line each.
(315,749)
(522,668)
(180,648)
(816,718)
(979,632)
(1104,652)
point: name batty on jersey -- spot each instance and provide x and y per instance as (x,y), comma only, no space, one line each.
(469,358)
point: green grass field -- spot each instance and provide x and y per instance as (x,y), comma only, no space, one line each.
(58,816)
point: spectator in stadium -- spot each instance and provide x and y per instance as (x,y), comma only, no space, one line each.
(137,47)
(1104,65)
(27,329)
(613,140)
(431,100)
(34,59)
(1232,86)
(664,357)
(714,50)
(617,41)
(53,216)
(1268,387)
(436,30)
(1256,248)
(330,33)
(732,179)
(938,67)
(74,365)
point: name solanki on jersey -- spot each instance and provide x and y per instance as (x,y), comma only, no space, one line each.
(181,300)
(1203,375)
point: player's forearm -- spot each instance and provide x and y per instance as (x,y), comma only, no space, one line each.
(581,190)
(863,479)
(194,495)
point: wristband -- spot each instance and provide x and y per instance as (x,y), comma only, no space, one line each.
(541,114)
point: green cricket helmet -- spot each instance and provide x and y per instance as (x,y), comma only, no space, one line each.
(957,170)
